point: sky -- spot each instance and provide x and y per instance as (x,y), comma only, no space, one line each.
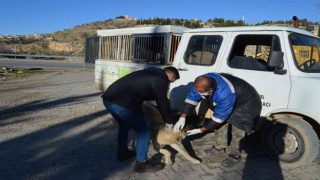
(21,17)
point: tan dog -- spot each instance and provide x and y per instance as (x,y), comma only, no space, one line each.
(160,137)
(172,139)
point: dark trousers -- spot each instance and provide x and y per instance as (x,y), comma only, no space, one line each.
(226,135)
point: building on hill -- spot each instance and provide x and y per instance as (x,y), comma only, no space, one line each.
(127,17)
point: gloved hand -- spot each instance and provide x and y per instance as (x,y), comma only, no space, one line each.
(179,125)
(168,127)
(193,132)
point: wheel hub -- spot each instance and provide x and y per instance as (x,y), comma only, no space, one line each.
(290,143)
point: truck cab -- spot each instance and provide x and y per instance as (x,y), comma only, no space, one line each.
(283,65)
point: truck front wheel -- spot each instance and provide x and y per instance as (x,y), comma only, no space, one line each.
(291,141)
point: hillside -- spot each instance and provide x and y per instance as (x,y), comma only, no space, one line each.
(68,42)
(71,42)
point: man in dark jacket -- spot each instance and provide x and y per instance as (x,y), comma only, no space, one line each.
(236,106)
(124,99)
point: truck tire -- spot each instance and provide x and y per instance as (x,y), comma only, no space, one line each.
(291,141)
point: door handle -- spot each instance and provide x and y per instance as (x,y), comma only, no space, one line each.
(182,69)
(228,73)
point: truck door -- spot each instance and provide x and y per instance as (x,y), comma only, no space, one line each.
(247,58)
(197,54)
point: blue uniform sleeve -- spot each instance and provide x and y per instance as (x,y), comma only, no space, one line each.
(193,97)
(192,100)
(224,109)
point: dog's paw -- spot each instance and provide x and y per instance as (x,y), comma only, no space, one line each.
(168,162)
(195,161)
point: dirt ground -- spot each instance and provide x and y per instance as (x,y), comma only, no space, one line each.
(54,126)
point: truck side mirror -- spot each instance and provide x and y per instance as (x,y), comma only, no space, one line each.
(276,61)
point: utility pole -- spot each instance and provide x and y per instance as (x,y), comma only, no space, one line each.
(15,47)
(15,51)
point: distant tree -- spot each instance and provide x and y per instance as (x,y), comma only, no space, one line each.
(304,22)
(179,22)
(120,17)
(219,20)
(196,24)
(188,24)
(240,23)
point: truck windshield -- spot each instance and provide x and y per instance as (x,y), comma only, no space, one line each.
(306,52)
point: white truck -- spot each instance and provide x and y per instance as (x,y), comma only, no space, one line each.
(282,63)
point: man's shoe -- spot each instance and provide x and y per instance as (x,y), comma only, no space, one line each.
(141,167)
(230,161)
(124,155)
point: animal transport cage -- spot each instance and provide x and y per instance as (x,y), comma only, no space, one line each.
(122,51)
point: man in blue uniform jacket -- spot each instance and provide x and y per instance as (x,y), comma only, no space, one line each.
(235,103)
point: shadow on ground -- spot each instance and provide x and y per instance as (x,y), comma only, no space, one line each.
(81,147)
